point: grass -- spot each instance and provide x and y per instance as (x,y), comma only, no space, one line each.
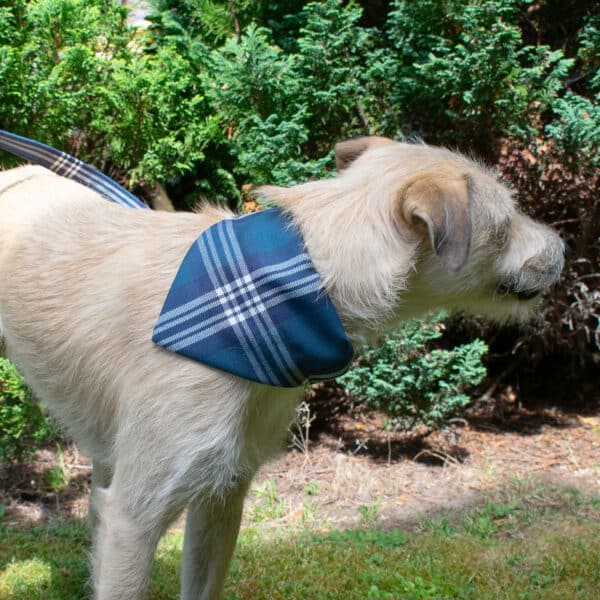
(537,543)
(56,478)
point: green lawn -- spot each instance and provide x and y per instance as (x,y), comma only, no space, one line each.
(544,544)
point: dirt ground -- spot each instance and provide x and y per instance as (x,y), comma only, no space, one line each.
(353,472)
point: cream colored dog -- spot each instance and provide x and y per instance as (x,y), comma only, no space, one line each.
(401,230)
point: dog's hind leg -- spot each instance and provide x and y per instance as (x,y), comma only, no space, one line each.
(211,531)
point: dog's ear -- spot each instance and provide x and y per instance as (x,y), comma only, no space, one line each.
(348,151)
(442,205)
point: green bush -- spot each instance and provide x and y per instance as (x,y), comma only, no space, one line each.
(23,426)
(282,111)
(99,89)
(216,95)
(413,384)
(461,72)
(254,90)
(576,129)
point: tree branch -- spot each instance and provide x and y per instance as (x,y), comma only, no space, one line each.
(236,22)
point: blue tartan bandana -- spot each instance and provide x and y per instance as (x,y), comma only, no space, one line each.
(67,166)
(247,300)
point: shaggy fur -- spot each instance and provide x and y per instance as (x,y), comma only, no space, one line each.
(401,230)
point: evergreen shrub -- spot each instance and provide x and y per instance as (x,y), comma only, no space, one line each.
(462,73)
(412,383)
(23,426)
(217,95)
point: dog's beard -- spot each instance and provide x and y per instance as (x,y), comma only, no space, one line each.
(504,311)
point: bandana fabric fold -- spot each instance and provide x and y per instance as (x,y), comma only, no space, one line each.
(246,298)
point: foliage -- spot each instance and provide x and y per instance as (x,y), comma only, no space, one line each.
(66,43)
(253,86)
(462,72)
(23,427)
(206,19)
(281,110)
(269,505)
(150,110)
(216,95)
(56,478)
(576,129)
(332,54)
(410,382)
(214,21)
(93,90)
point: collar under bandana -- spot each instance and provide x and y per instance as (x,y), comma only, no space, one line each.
(246,298)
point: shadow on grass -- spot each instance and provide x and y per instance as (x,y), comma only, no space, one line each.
(538,543)
(45,562)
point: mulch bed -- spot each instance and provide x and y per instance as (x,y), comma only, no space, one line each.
(351,461)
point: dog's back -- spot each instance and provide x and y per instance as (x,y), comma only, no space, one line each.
(66,257)
(82,282)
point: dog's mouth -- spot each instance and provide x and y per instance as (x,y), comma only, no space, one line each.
(506,289)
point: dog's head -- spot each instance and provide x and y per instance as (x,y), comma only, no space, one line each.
(476,250)
(408,228)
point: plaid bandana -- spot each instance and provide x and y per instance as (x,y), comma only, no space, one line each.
(68,166)
(246,298)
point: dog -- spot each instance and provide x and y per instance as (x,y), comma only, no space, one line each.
(402,229)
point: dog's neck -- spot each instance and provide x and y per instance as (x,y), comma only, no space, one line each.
(343,235)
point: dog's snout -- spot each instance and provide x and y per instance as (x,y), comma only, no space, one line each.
(531,268)
(554,260)
(537,274)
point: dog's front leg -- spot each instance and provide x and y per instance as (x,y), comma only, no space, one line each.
(101,477)
(211,531)
(125,543)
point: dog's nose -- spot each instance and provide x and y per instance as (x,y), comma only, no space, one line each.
(545,267)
